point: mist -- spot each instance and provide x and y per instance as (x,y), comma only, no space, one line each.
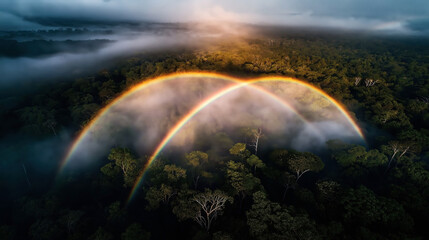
(142,120)
(121,43)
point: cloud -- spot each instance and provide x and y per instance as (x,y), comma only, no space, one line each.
(362,14)
(10,22)
(16,71)
(419,25)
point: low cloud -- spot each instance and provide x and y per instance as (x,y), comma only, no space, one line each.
(124,42)
(361,14)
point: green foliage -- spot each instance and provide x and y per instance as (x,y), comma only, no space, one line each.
(125,161)
(358,162)
(239,149)
(135,232)
(101,234)
(329,190)
(362,206)
(303,162)
(44,229)
(71,219)
(255,162)
(111,170)
(221,236)
(268,220)
(242,181)
(116,212)
(174,173)
(155,196)
(38,120)
(183,206)
(196,158)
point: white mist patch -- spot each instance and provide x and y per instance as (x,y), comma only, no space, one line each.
(289,114)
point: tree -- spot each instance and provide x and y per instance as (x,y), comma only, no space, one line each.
(401,148)
(101,234)
(289,181)
(255,162)
(166,185)
(211,205)
(124,159)
(174,173)
(196,160)
(256,134)
(221,236)
(37,120)
(71,219)
(357,161)
(329,190)
(116,212)
(239,149)
(183,205)
(362,206)
(370,82)
(135,232)
(157,195)
(268,220)
(304,162)
(241,180)
(44,229)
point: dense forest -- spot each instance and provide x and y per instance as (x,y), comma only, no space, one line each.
(376,191)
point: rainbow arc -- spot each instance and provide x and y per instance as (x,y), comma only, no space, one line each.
(235,85)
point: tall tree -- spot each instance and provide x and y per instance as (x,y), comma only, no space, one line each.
(124,160)
(242,181)
(239,149)
(255,162)
(211,205)
(196,160)
(301,163)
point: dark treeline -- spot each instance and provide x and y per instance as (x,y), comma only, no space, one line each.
(378,191)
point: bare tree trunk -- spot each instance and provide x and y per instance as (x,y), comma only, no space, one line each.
(286,186)
(196,181)
(405,151)
(53,130)
(256,136)
(299,174)
(26,175)
(392,157)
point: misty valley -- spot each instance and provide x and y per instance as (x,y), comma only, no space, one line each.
(139,131)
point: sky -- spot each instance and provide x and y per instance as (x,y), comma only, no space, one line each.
(381,15)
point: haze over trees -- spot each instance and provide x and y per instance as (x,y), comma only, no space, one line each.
(241,188)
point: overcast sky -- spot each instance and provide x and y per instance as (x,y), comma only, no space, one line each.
(389,15)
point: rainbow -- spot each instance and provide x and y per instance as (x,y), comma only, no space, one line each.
(185,119)
(104,111)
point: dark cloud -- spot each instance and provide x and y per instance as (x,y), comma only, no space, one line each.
(419,25)
(357,14)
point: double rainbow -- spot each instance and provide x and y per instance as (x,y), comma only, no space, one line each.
(236,84)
